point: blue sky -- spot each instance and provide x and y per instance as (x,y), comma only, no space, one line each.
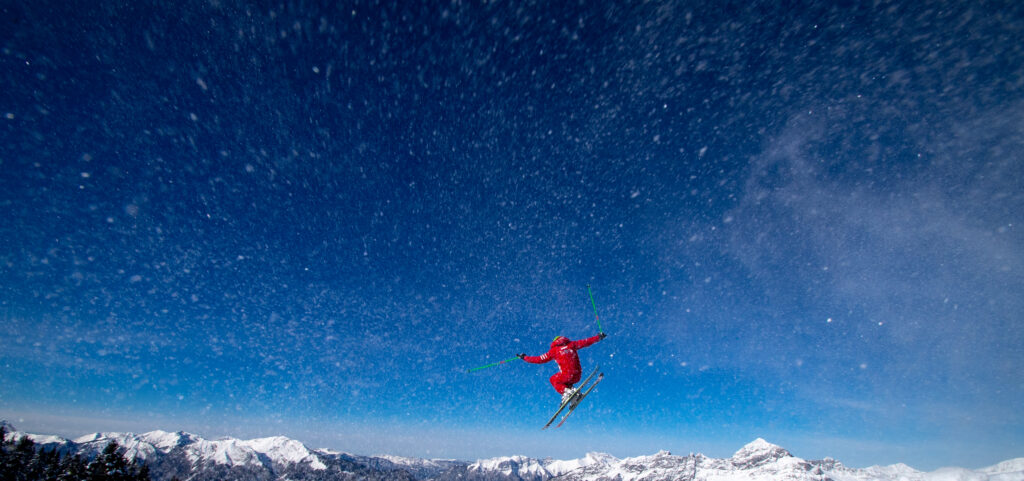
(248,220)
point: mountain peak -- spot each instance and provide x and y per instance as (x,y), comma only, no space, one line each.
(758,452)
(760,444)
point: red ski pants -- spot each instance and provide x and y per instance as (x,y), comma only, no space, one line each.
(562,380)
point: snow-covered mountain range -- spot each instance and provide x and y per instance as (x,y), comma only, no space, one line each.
(193,458)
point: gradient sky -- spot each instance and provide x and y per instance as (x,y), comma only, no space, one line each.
(247,219)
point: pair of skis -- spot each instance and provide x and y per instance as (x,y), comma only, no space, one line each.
(575,400)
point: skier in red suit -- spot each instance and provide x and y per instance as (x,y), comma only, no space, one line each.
(563,351)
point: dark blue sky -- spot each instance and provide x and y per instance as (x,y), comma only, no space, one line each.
(799,223)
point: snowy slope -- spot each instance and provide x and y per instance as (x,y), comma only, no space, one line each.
(559,467)
(659,466)
(419,468)
(763,461)
(1012,470)
(414,462)
(524,468)
(227,451)
(516,467)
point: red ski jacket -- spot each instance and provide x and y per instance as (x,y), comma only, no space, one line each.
(563,351)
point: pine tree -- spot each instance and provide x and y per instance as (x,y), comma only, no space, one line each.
(72,468)
(49,464)
(106,467)
(24,451)
(111,465)
(7,466)
(35,467)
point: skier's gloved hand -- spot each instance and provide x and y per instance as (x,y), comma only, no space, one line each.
(521,356)
(603,335)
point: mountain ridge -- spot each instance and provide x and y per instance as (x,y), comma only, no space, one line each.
(189,456)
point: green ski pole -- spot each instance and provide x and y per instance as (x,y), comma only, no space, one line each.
(599,329)
(491,364)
